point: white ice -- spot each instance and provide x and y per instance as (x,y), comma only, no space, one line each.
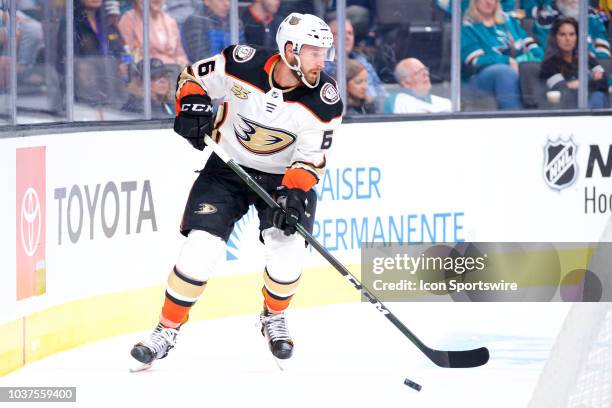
(345,356)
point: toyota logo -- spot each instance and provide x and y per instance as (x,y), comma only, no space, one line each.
(30,221)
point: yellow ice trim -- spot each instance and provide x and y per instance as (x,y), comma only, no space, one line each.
(72,324)
(11,346)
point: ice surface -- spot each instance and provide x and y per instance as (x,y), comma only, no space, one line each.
(345,356)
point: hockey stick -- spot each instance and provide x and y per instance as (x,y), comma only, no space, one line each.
(442,358)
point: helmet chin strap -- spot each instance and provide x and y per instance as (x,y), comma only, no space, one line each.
(297,70)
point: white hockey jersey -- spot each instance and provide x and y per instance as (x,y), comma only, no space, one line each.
(262,126)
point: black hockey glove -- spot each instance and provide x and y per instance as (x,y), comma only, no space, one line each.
(292,202)
(195,119)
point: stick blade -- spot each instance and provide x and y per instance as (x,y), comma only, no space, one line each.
(459,359)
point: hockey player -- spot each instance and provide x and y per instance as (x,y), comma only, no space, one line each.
(277,119)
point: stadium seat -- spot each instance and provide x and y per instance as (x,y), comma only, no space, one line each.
(411,30)
(473,100)
(533,89)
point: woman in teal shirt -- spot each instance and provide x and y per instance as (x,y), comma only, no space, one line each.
(493,44)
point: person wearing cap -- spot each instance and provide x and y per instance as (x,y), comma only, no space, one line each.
(162,106)
(112,11)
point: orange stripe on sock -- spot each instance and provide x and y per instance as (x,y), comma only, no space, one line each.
(173,315)
(273,304)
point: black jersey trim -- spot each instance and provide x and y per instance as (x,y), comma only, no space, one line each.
(253,73)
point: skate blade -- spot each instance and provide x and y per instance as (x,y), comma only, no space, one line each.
(281,364)
(141,367)
(285,365)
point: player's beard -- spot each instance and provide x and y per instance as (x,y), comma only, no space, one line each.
(297,76)
(312,76)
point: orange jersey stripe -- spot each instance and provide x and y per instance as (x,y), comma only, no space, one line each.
(188,88)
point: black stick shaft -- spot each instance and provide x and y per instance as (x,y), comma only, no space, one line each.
(450,359)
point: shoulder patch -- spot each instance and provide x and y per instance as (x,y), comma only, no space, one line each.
(329,94)
(243,53)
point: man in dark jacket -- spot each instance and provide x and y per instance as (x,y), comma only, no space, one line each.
(261,20)
(207,32)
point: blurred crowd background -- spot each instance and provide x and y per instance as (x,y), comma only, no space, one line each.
(514,54)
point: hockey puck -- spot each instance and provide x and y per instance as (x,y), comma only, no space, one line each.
(412,384)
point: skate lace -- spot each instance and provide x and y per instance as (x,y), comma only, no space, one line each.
(276,326)
(161,340)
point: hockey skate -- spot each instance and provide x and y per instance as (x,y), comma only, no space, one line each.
(157,346)
(274,329)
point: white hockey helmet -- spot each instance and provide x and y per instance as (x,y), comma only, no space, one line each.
(301,29)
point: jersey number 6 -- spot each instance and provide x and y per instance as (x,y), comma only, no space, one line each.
(327,139)
(206,68)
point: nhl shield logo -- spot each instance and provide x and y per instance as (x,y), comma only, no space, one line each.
(560,168)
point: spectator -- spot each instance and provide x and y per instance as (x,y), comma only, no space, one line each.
(261,21)
(560,67)
(605,11)
(507,5)
(359,102)
(360,13)
(297,6)
(375,86)
(492,45)
(162,102)
(29,38)
(5,65)
(181,9)
(112,11)
(164,34)
(416,97)
(546,14)
(208,31)
(93,36)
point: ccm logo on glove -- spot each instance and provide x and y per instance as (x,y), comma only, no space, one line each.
(196,107)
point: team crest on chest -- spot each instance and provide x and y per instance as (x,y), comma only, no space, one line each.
(243,53)
(329,94)
(260,139)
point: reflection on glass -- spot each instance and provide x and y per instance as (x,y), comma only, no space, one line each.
(405,51)
(4,64)
(101,70)
(166,53)
(207,31)
(39,95)
(164,34)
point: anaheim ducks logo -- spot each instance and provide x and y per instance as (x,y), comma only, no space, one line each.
(260,139)
(206,208)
